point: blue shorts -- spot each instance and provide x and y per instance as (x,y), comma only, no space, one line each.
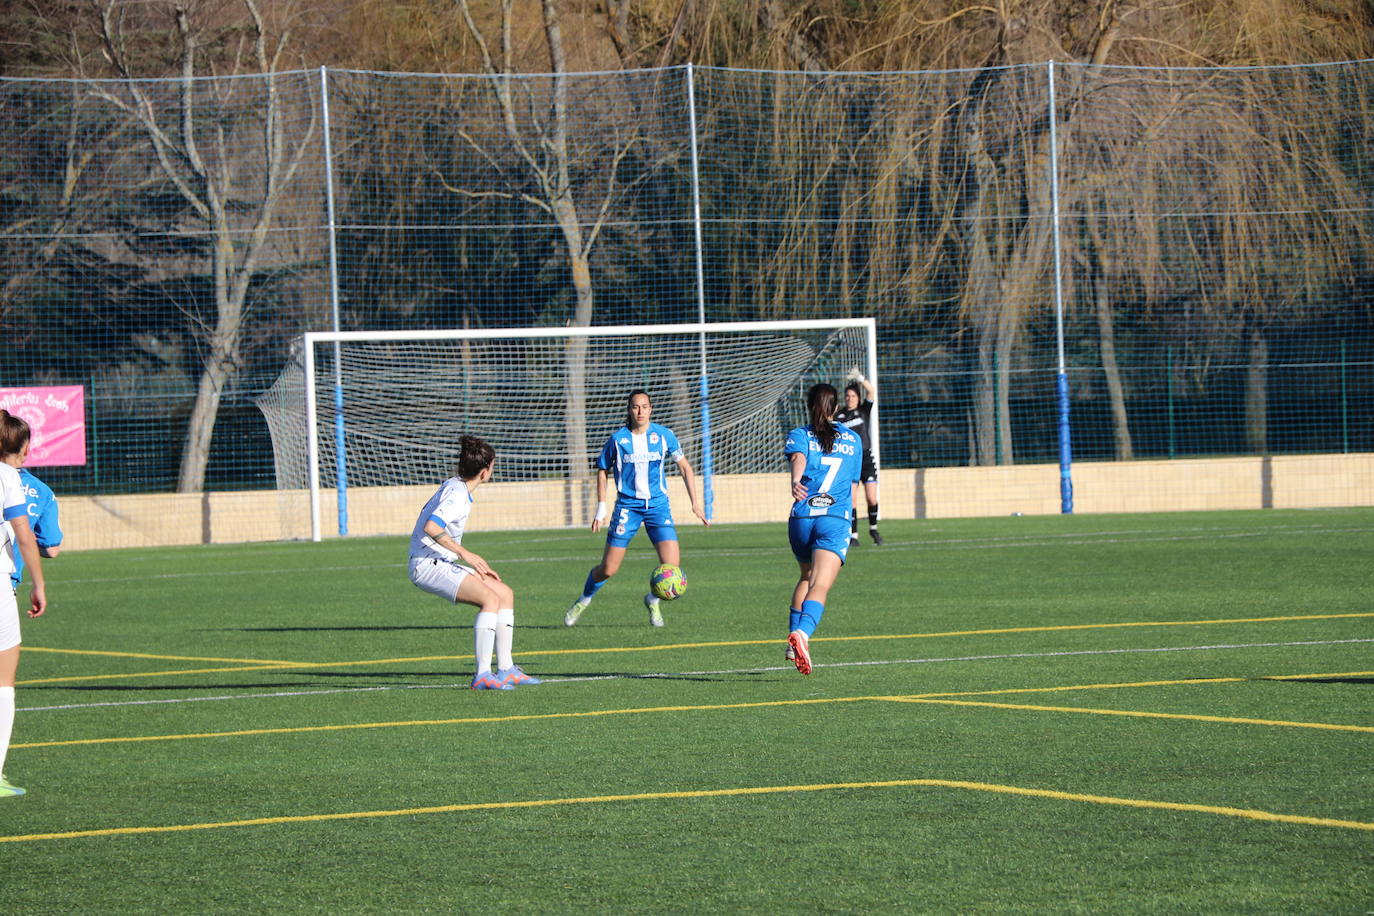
(819,532)
(656,518)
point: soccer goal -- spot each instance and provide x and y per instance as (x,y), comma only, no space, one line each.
(358,409)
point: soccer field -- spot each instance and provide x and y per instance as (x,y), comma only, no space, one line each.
(1163,713)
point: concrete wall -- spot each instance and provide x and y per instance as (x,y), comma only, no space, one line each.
(1286,482)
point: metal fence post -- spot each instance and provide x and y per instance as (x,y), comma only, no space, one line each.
(1062,381)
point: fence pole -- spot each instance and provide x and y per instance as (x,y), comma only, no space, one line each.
(1062,381)
(708,491)
(996,410)
(340,458)
(1169,392)
(1345,407)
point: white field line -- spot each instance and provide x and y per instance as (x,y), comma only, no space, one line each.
(704,673)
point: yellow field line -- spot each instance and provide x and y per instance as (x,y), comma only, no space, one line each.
(174,658)
(1233,720)
(1098,626)
(1194,681)
(1247,813)
(761,704)
(265,665)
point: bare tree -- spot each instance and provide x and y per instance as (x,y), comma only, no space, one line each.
(538,133)
(41,227)
(197,144)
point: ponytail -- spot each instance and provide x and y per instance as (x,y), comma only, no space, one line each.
(821,402)
(474,456)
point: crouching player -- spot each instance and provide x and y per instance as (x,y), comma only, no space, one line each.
(441,565)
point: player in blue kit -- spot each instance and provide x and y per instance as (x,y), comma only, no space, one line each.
(825,460)
(41,504)
(441,565)
(636,455)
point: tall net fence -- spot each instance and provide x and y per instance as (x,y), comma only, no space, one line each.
(1204,238)
(161,248)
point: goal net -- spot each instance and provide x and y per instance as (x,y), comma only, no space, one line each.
(358,410)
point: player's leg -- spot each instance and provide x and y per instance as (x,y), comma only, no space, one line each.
(461,585)
(9,668)
(829,543)
(794,609)
(623,524)
(658,524)
(854,514)
(799,539)
(472,589)
(507,671)
(870,479)
(598,576)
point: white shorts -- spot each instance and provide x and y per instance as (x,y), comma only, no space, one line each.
(438,577)
(9,620)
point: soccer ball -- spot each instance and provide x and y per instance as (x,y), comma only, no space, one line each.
(667,582)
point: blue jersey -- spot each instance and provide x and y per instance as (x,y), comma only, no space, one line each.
(635,463)
(829,477)
(42,511)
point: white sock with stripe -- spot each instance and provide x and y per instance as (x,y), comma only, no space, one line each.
(505,638)
(483,639)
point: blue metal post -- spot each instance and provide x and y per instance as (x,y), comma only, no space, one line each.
(1065,448)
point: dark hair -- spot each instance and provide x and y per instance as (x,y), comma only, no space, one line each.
(629,402)
(474,455)
(857,389)
(14,434)
(821,401)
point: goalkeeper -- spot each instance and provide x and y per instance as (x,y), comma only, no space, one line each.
(857,415)
(636,454)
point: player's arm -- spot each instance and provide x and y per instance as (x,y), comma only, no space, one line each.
(689,479)
(46,530)
(600,517)
(855,375)
(798,463)
(28,549)
(439,534)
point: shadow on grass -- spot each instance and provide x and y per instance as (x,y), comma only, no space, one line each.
(1327,680)
(368,679)
(113,688)
(368,629)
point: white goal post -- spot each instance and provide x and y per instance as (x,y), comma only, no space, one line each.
(386,408)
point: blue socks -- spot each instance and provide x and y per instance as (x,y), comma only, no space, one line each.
(809,617)
(591,586)
(793,619)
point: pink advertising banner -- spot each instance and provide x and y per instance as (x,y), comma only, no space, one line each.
(57,422)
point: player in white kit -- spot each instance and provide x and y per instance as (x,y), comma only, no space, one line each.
(15,534)
(441,565)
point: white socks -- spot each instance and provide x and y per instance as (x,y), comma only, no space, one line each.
(484,639)
(505,637)
(6,722)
